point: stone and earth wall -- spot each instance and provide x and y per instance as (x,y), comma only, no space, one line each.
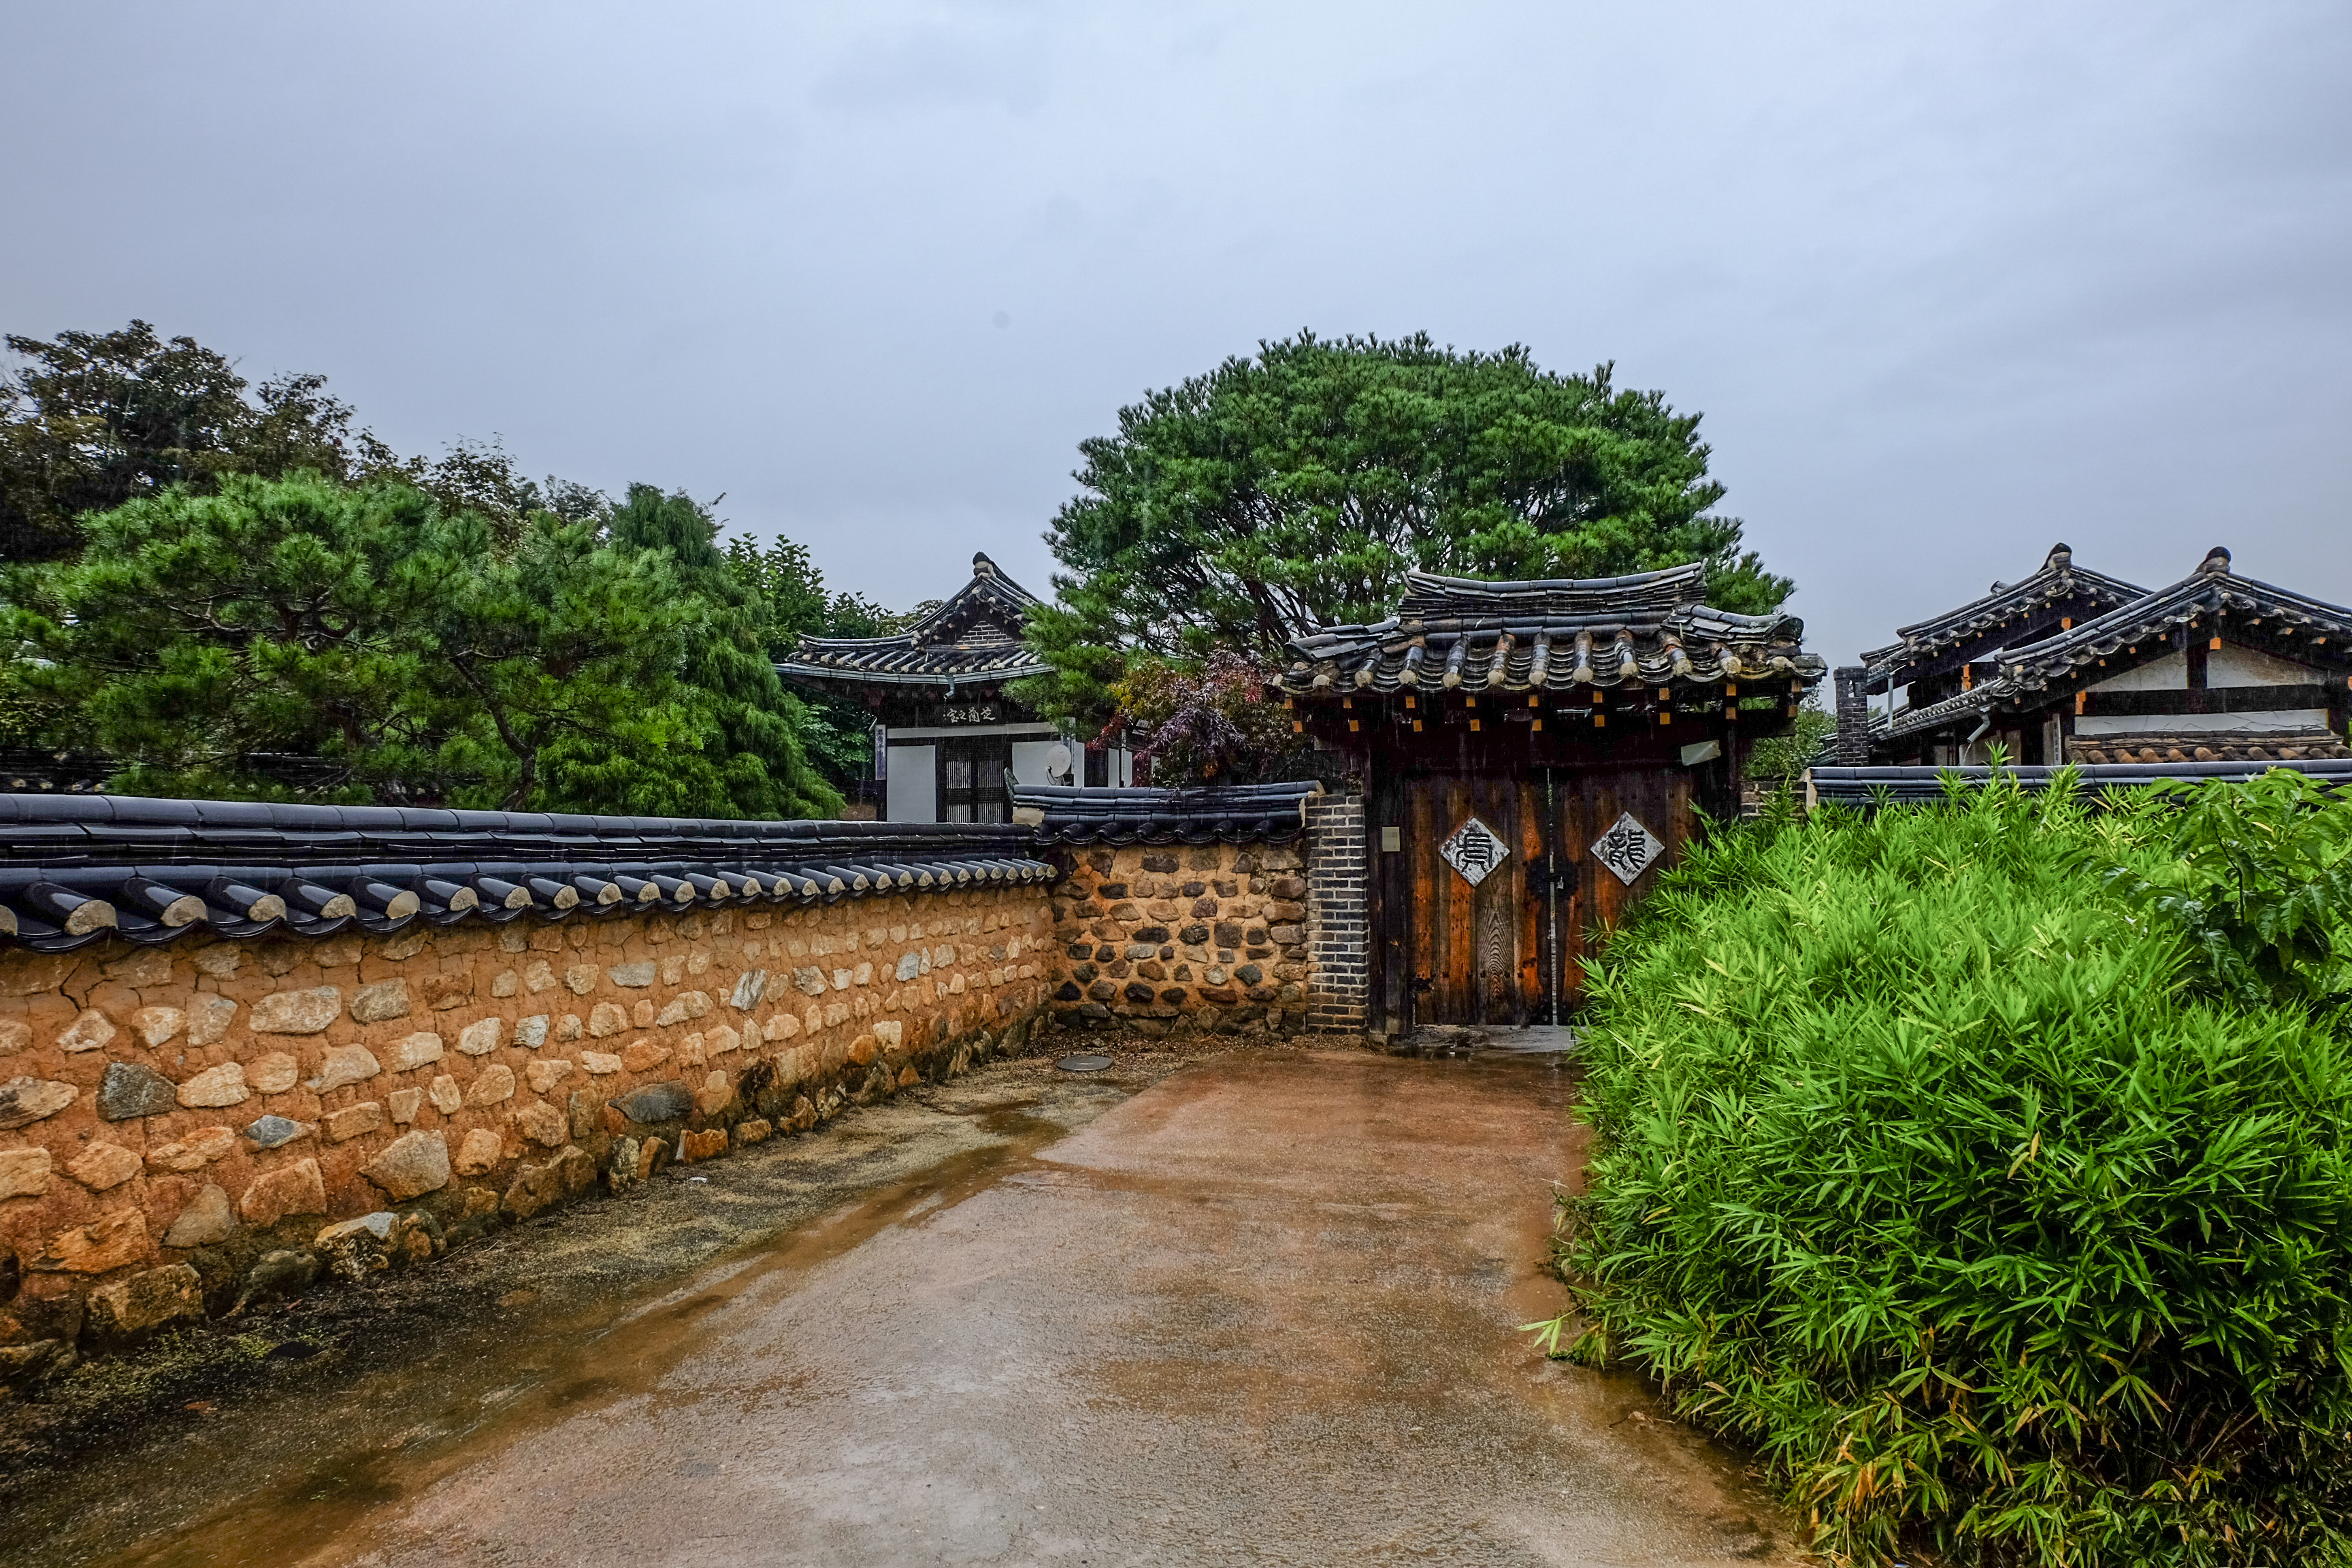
(194,1129)
(1188,939)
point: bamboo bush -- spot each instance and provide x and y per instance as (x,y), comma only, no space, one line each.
(1950,1158)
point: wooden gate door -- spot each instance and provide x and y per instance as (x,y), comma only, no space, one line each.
(1493,950)
(1457,949)
(1588,805)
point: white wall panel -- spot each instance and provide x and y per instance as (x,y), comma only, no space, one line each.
(914,784)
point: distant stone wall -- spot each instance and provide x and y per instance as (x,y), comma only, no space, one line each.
(1184,938)
(189,1128)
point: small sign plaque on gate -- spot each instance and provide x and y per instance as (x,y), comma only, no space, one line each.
(1628,848)
(1474,850)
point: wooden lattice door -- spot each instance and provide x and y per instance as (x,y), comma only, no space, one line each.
(971,778)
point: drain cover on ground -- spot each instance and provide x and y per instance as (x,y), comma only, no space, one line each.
(1083,1064)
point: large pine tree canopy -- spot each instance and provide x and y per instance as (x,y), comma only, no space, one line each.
(1296,488)
(226,592)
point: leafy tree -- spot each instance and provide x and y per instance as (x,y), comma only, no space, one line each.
(94,419)
(1212,725)
(1272,494)
(389,649)
(757,765)
(204,631)
(786,578)
(481,477)
(835,731)
(1780,757)
(567,656)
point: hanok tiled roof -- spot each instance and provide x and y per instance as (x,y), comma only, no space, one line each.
(2059,578)
(2207,593)
(973,637)
(75,869)
(2071,658)
(1648,628)
(1234,814)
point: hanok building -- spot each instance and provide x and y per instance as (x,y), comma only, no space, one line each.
(946,735)
(1533,754)
(2068,666)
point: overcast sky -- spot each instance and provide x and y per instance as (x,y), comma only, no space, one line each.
(1947,282)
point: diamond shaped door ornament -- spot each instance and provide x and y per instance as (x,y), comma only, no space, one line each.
(1628,848)
(1474,850)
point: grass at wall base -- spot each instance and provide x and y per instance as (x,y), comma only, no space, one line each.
(1984,1167)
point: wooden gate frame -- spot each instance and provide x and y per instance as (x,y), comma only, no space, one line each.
(1561,891)
(1585,679)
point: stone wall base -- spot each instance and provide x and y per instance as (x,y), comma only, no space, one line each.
(1183,938)
(196,1129)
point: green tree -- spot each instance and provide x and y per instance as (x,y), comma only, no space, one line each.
(90,420)
(299,636)
(784,576)
(757,764)
(836,733)
(567,657)
(1780,758)
(204,631)
(1296,488)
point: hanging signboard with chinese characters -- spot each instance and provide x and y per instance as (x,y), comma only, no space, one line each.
(1628,848)
(1474,850)
(969,713)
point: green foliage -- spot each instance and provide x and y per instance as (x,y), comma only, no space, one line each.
(1786,756)
(400,652)
(1926,1167)
(1277,493)
(2260,890)
(274,606)
(751,762)
(782,577)
(91,420)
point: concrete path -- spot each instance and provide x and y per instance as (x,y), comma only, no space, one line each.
(1262,1312)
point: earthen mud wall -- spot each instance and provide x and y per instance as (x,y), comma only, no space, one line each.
(1184,939)
(190,1129)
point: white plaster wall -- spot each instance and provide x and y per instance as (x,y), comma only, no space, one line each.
(2169,673)
(912,794)
(1029,760)
(2230,665)
(2303,718)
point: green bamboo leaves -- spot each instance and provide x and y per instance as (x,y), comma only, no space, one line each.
(1941,1160)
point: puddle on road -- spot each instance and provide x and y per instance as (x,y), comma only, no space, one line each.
(399,1430)
(479,1389)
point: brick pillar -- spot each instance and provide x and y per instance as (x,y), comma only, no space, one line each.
(1339,927)
(1852,749)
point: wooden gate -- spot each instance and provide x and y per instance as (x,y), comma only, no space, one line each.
(1502,949)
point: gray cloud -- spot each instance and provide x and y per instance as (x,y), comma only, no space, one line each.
(1949,283)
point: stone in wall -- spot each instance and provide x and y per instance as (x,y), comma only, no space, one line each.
(1181,939)
(249,1094)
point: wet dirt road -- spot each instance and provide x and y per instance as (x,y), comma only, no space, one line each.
(1260,1312)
